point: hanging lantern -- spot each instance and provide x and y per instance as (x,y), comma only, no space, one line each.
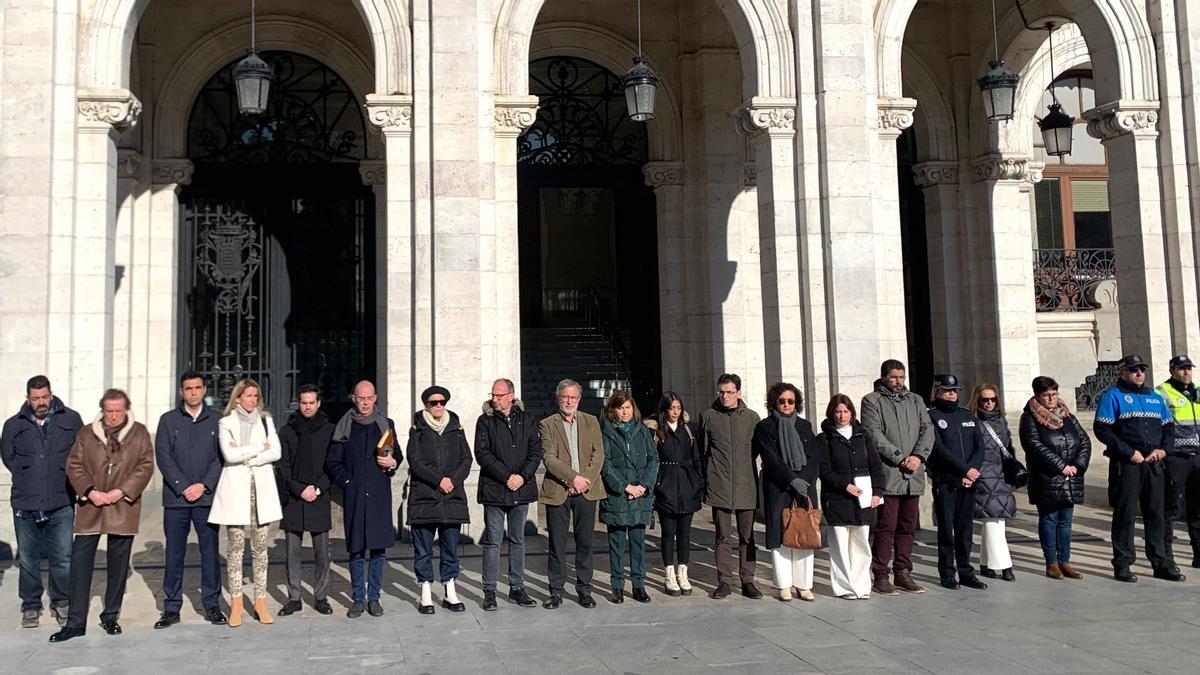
(999,87)
(252,76)
(1057,128)
(641,86)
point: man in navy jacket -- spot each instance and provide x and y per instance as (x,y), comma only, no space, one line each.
(34,446)
(189,458)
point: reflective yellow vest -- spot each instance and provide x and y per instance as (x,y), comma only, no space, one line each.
(1184,410)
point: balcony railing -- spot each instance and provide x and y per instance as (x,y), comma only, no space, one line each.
(1065,279)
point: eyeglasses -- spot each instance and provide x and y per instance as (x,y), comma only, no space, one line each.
(786,401)
(987,399)
(727,392)
(436,403)
(507,393)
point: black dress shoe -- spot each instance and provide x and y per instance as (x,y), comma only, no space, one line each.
(751,591)
(214,616)
(356,609)
(586,601)
(721,591)
(374,608)
(950,583)
(641,595)
(1125,576)
(1007,575)
(1170,574)
(67,633)
(618,596)
(425,609)
(1196,562)
(453,606)
(519,596)
(489,601)
(973,582)
(553,602)
(111,627)
(322,606)
(290,607)
(167,620)
(989,573)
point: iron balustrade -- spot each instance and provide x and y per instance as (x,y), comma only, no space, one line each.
(1065,279)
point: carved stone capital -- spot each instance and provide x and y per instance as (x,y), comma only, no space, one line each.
(774,116)
(171,172)
(934,173)
(116,108)
(749,174)
(390,113)
(128,163)
(895,115)
(373,172)
(514,114)
(1113,120)
(663,173)
(1002,167)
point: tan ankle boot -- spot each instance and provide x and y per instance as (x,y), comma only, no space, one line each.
(1054,571)
(260,610)
(235,610)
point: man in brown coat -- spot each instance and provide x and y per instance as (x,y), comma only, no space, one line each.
(574,454)
(110,464)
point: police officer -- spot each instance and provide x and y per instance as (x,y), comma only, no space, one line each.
(958,449)
(1134,424)
(1183,464)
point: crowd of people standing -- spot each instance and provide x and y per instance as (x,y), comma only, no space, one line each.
(867,474)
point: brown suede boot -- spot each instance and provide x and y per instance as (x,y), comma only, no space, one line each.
(235,611)
(1068,571)
(260,610)
(1054,571)
(904,582)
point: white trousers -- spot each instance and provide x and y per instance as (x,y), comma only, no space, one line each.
(993,552)
(850,561)
(793,567)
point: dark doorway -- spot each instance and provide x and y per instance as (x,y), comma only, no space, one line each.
(277,246)
(914,245)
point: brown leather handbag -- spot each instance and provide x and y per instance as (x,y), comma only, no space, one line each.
(802,526)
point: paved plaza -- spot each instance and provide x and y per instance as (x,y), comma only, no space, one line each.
(1033,625)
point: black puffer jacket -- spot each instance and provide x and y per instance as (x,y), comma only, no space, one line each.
(432,457)
(993,497)
(1049,451)
(843,460)
(504,446)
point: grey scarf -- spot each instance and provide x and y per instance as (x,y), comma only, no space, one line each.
(247,422)
(792,449)
(341,433)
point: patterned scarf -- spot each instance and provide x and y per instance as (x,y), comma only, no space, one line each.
(1051,419)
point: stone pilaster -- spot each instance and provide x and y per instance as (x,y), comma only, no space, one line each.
(939,181)
(890,330)
(667,179)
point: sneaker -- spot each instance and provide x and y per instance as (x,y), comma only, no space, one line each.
(904,582)
(356,609)
(882,586)
(489,601)
(30,618)
(60,615)
(374,608)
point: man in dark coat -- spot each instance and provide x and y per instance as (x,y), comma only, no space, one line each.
(301,471)
(362,459)
(34,446)
(731,482)
(957,457)
(189,457)
(508,450)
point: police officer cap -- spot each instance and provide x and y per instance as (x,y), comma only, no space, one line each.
(1132,361)
(1181,361)
(425,395)
(946,382)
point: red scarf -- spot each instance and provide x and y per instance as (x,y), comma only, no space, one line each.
(1051,419)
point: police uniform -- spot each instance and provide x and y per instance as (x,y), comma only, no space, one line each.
(958,447)
(1133,418)
(1183,464)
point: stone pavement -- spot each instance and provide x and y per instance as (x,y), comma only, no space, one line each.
(1033,625)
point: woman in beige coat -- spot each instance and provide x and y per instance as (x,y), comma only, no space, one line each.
(246,500)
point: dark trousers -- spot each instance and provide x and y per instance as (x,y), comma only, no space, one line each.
(1054,532)
(676,537)
(1183,498)
(747,552)
(50,539)
(83,562)
(295,548)
(448,537)
(578,514)
(366,573)
(1131,485)
(954,507)
(494,532)
(894,533)
(633,537)
(177,523)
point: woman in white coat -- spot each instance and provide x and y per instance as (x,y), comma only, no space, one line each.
(246,500)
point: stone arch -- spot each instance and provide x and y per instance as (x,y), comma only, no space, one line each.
(760,27)
(569,38)
(933,120)
(211,52)
(108,43)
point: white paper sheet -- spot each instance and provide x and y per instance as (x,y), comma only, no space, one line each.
(864,483)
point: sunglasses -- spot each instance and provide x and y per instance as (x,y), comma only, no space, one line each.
(436,403)
(787,401)
(1137,369)
(987,399)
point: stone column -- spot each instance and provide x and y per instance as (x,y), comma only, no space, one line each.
(157,336)
(125,304)
(666,178)
(102,115)
(939,181)
(888,338)
(1129,132)
(1000,283)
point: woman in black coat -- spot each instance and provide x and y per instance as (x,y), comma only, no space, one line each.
(850,466)
(994,499)
(679,490)
(439,460)
(784,442)
(1057,452)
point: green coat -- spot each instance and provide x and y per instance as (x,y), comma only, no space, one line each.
(632,461)
(899,425)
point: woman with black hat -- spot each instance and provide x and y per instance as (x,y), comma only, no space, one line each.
(439,460)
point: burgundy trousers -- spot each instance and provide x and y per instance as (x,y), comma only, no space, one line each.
(895,533)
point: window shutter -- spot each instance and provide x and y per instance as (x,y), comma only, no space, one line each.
(1048,204)
(1089,196)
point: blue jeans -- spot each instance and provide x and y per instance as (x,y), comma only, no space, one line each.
(177,523)
(366,573)
(51,540)
(1054,531)
(493,535)
(422,536)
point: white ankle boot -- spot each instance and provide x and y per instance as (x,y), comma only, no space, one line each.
(672,584)
(685,587)
(426,594)
(451,594)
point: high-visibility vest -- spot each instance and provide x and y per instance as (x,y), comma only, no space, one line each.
(1186,413)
